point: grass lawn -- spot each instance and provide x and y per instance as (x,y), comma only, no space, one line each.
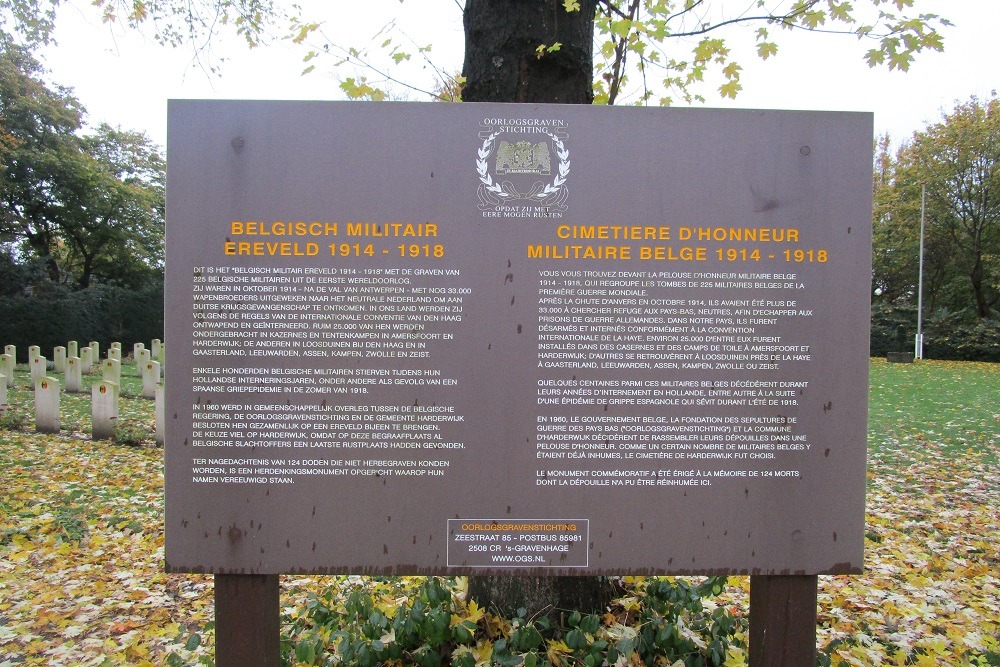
(81,539)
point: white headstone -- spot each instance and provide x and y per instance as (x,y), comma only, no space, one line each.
(34,351)
(38,367)
(142,358)
(162,356)
(74,375)
(7,367)
(154,348)
(116,346)
(59,358)
(150,378)
(138,347)
(159,413)
(111,371)
(3,389)
(47,405)
(115,353)
(11,350)
(86,360)
(95,351)
(104,409)
(72,349)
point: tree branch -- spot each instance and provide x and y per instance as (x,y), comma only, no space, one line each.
(784,19)
(621,56)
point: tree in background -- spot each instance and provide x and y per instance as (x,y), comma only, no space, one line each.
(84,206)
(895,240)
(958,160)
(38,127)
(116,202)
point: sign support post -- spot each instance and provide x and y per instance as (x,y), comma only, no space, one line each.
(783,621)
(247,620)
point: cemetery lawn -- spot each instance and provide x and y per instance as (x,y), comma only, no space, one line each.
(81,538)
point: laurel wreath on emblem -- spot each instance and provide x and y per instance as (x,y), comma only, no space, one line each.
(502,191)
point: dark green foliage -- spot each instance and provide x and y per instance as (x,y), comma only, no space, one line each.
(18,275)
(70,524)
(85,208)
(886,323)
(947,336)
(959,341)
(431,626)
(129,433)
(672,604)
(53,315)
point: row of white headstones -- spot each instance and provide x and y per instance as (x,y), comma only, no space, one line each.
(74,362)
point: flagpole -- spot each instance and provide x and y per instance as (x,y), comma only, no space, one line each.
(919,343)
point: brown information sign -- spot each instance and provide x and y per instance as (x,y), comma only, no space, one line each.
(429,338)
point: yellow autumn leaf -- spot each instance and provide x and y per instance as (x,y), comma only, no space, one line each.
(556,651)
(21,542)
(473,612)
(735,657)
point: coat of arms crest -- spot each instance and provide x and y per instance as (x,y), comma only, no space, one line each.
(517,166)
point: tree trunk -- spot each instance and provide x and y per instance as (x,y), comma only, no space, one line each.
(554,597)
(502,61)
(88,269)
(503,64)
(978,290)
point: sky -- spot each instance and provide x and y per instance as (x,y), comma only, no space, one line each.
(125,78)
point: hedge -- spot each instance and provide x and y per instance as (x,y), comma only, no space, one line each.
(101,313)
(947,336)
